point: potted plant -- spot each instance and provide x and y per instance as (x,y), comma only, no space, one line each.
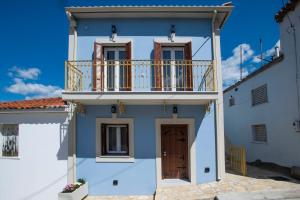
(74,191)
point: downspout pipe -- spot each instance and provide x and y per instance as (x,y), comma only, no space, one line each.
(214,63)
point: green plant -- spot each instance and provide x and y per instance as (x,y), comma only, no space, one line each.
(81,180)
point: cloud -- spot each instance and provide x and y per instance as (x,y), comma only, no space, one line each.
(23,84)
(231,66)
(30,73)
(267,54)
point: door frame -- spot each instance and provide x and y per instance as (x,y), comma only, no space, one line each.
(190,122)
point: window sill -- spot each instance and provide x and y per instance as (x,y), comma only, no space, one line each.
(256,142)
(9,158)
(115,159)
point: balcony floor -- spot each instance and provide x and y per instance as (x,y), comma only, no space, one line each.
(140,98)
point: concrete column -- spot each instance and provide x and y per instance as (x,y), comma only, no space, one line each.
(219,103)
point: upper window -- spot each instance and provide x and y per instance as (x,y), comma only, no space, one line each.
(259,133)
(259,95)
(115,139)
(9,139)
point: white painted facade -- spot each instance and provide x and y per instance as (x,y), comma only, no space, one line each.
(40,171)
(281,110)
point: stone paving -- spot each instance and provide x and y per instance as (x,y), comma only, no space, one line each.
(257,180)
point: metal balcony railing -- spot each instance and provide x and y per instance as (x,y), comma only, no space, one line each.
(140,75)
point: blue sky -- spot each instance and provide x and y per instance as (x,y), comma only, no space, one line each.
(33,42)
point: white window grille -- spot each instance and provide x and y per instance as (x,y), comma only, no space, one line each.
(260,95)
(259,133)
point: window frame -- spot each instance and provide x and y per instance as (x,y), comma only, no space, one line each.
(18,141)
(172,65)
(100,157)
(118,138)
(254,137)
(116,77)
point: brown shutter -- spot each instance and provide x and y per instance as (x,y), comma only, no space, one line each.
(157,85)
(127,69)
(103,139)
(98,68)
(127,139)
(189,66)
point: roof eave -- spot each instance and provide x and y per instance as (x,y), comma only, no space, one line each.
(151,12)
(106,9)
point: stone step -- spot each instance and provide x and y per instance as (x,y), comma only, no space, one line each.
(261,195)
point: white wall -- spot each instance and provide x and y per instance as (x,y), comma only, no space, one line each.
(283,146)
(41,170)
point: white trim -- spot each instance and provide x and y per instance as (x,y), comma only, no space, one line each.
(115,159)
(178,41)
(110,158)
(119,41)
(191,144)
(118,135)
(11,158)
(141,98)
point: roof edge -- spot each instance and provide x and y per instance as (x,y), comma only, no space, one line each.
(289,6)
(256,72)
(85,9)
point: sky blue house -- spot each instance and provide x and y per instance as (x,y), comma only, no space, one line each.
(147,85)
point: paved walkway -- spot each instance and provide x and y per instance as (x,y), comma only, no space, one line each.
(257,180)
(262,195)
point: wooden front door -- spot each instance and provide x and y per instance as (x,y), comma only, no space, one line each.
(174,151)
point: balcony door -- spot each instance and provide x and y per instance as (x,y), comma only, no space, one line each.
(173,69)
(117,69)
(112,68)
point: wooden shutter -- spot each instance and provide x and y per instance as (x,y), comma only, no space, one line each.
(98,68)
(157,72)
(103,139)
(127,139)
(127,69)
(188,67)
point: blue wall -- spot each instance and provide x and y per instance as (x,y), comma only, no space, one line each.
(139,178)
(142,32)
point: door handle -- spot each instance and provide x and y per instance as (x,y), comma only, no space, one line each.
(165,153)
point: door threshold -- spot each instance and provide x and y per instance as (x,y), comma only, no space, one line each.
(174,182)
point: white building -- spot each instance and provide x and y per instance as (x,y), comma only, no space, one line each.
(262,111)
(33,149)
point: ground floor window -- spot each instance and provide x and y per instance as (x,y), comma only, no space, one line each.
(115,139)
(259,133)
(9,139)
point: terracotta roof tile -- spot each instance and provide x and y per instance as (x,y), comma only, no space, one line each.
(34,104)
(289,6)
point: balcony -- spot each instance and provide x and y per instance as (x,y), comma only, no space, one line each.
(140,77)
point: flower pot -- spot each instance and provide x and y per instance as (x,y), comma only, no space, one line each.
(77,194)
